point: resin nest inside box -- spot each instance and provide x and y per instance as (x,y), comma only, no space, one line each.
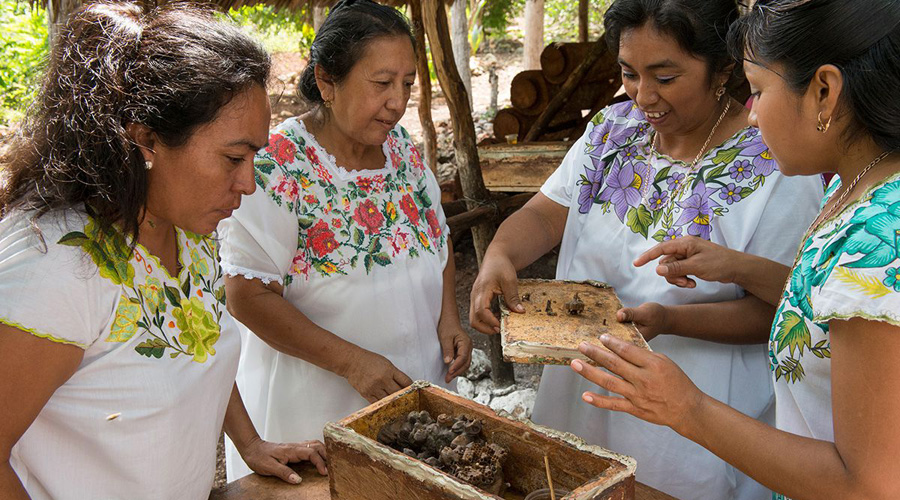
(409,446)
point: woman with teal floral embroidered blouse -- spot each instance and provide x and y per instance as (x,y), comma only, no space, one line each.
(117,355)
(340,265)
(824,102)
(677,160)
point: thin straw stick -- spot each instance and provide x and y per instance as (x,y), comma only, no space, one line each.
(549,480)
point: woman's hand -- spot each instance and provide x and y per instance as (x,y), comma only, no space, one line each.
(456,347)
(271,459)
(692,256)
(650,318)
(497,277)
(653,387)
(373,376)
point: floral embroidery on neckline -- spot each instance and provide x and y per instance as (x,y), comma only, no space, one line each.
(360,222)
(621,177)
(165,313)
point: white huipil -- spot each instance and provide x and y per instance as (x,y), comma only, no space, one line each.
(360,253)
(619,197)
(141,416)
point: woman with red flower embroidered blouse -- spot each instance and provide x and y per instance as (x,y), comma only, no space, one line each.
(340,264)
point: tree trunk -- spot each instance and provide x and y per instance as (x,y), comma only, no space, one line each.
(318,15)
(534,33)
(56,17)
(424,75)
(475,193)
(461,48)
(582,21)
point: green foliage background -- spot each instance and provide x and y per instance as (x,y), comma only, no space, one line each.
(23,44)
(278,30)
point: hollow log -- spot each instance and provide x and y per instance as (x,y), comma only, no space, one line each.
(574,79)
(510,121)
(530,92)
(559,60)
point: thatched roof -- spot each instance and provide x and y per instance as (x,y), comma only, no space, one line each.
(58,5)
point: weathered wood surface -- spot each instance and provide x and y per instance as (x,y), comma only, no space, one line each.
(315,487)
(520,167)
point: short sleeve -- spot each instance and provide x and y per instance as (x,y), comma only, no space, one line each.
(561,184)
(50,290)
(865,280)
(259,240)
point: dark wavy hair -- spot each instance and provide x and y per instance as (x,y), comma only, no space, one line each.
(171,69)
(699,26)
(342,39)
(859,37)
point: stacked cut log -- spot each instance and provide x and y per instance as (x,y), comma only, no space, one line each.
(532,90)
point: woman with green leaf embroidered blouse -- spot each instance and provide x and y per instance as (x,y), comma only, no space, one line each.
(825,101)
(117,354)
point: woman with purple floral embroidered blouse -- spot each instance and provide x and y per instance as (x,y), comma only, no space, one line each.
(677,160)
(340,264)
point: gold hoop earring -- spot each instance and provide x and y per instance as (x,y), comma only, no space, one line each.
(823,126)
(148,165)
(720,93)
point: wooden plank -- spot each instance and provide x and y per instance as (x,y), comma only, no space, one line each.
(520,167)
(315,487)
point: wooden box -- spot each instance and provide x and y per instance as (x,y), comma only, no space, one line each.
(520,167)
(547,333)
(361,468)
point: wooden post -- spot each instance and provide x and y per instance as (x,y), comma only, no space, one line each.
(459,24)
(415,6)
(318,16)
(534,33)
(582,20)
(566,90)
(475,193)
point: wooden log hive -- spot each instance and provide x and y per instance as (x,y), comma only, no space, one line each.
(532,91)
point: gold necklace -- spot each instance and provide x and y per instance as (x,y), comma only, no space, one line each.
(692,166)
(819,220)
(840,200)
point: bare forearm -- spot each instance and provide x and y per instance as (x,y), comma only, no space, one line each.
(238,425)
(798,467)
(280,325)
(761,277)
(530,232)
(10,486)
(743,321)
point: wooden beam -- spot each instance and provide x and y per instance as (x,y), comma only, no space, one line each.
(438,30)
(583,20)
(424,107)
(566,90)
(494,212)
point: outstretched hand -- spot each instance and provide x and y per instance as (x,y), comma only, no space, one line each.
(691,256)
(271,459)
(651,386)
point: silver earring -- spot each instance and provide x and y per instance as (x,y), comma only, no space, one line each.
(148,165)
